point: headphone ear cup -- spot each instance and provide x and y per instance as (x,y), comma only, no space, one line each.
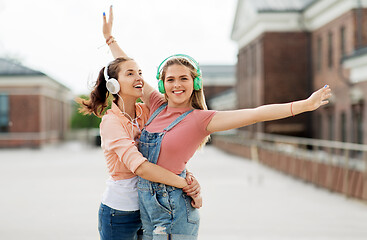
(161,86)
(113,86)
(198,83)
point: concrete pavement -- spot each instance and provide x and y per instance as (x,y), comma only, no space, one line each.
(54,193)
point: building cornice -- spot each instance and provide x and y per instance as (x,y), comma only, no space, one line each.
(250,24)
(268,22)
(322,12)
(357,66)
(35,85)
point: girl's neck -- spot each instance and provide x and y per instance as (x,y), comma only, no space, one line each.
(127,106)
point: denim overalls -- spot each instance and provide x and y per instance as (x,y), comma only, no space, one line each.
(164,209)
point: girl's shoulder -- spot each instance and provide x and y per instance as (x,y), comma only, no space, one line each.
(109,116)
(201,112)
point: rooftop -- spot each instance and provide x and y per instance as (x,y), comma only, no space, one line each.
(281,5)
(218,70)
(10,67)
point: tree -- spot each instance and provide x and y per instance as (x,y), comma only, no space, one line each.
(79,120)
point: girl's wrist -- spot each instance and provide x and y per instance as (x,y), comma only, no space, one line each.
(307,105)
(110,40)
(107,36)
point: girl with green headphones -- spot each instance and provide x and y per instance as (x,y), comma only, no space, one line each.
(179,124)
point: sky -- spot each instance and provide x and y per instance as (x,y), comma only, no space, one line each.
(64,39)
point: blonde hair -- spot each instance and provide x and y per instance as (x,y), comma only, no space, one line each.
(197,99)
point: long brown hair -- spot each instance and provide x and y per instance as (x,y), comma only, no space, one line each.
(97,101)
(197,99)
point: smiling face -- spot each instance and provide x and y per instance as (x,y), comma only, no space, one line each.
(130,79)
(179,85)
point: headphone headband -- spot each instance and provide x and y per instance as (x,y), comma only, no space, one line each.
(198,83)
(106,77)
(191,60)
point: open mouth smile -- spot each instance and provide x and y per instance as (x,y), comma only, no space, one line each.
(178,91)
(140,85)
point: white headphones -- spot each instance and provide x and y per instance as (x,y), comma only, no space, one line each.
(112,84)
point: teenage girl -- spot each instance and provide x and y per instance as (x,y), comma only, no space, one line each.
(177,128)
(119,215)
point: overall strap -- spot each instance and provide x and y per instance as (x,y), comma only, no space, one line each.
(179,119)
(156,112)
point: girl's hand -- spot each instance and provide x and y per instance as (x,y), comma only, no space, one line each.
(107,26)
(319,98)
(193,187)
(197,201)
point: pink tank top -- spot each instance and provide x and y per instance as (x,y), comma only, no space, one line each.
(182,141)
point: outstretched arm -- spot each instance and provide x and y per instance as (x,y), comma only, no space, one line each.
(225,120)
(118,52)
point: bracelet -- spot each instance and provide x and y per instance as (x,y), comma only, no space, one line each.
(110,40)
(291,109)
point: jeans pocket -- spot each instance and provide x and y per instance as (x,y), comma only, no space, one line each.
(193,215)
(100,216)
(162,200)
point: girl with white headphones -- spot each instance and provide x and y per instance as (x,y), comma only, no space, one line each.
(119,215)
(177,127)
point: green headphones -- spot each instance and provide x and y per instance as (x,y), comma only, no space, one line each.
(198,82)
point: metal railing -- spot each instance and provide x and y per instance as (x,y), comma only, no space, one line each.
(348,156)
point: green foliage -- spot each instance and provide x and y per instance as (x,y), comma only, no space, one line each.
(79,120)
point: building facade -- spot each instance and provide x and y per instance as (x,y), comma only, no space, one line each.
(34,109)
(219,80)
(289,48)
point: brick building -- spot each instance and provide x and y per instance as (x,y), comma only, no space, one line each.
(289,48)
(34,109)
(218,79)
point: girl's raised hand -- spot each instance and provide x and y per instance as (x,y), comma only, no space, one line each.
(319,98)
(107,25)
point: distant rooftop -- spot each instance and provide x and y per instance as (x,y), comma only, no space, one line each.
(218,70)
(281,5)
(12,68)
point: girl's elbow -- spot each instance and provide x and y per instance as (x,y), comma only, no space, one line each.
(141,170)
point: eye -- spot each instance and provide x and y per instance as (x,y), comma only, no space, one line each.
(184,78)
(170,80)
(129,74)
(141,74)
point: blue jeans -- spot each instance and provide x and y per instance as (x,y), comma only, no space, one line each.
(118,225)
(166,210)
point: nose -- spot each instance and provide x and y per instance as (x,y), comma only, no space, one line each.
(177,84)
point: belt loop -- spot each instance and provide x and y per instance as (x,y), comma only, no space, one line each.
(151,188)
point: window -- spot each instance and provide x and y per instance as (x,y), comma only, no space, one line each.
(4,113)
(343,127)
(342,41)
(330,50)
(357,123)
(245,63)
(319,54)
(330,124)
(318,128)
(253,60)
(249,63)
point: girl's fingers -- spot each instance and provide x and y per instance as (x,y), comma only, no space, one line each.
(104,18)
(110,19)
(190,189)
